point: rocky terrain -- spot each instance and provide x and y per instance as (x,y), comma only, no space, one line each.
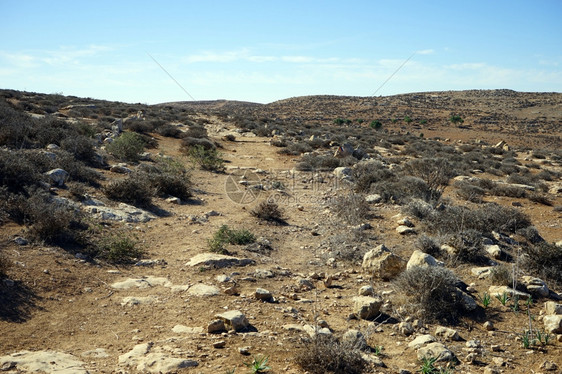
(199,237)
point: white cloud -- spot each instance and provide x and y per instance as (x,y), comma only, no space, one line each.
(425,52)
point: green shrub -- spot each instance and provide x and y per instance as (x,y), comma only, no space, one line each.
(168,177)
(18,172)
(119,250)
(456,119)
(127,147)
(135,190)
(326,354)
(375,125)
(431,293)
(207,159)
(225,235)
(51,220)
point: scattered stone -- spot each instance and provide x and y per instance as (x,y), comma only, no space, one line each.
(174,200)
(535,286)
(218,261)
(489,326)
(552,308)
(491,370)
(123,212)
(181,329)
(420,258)
(373,198)
(482,272)
(366,291)
(494,251)
(140,300)
(232,291)
(234,319)
(153,362)
(468,303)
(216,326)
(355,339)
(447,333)
(219,344)
(58,176)
(500,290)
(244,350)
(144,282)
(405,221)
(495,348)
(366,307)
(421,341)
(553,324)
(294,327)
(42,362)
(382,263)
(95,353)
(436,350)
(304,284)
(406,328)
(120,168)
(473,344)
(548,365)
(20,241)
(312,331)
(343,172)
(263,294)
(405,230)
(201,289)
(263,273)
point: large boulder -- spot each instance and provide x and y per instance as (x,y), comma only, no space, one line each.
(553,324)
(382,263)
(552,308)
(57,176)
(436,350)
(420,258)
(216,260)
(366,307)
(535,286)
(234,319)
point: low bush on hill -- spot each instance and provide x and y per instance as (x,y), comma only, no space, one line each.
(431,294)
(127,147)
(327,354)
(136,189)
(544,260)
(268,211)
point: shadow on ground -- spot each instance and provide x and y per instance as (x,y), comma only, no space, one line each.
(17,301)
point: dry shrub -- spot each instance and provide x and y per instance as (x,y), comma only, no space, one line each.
(428,245)
(544,260)
(352,208)
(431,293)
(469,247)
(502,275)
(135,190)
(268,211)
(326,354)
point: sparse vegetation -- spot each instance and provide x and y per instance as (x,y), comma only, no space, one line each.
(431,293)
(268,211)
(119,250)
(225,235)
(326,354)
(207,159)
(127,147)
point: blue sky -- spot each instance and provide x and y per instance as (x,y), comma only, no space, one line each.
(264,51)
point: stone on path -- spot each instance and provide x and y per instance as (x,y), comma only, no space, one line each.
(218,261)
(42,362)
(201,289)
(234,319)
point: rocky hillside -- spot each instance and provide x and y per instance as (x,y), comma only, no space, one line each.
(402,234)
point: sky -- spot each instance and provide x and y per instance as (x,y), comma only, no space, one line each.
(262,51)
